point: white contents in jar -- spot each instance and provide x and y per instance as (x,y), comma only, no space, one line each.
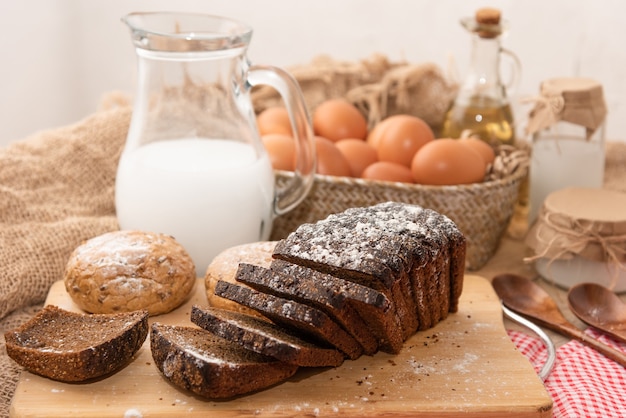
(561,162)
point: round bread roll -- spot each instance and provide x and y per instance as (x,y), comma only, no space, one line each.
(124,271)
(224,267)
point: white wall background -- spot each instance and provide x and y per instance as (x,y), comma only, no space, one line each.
(59,57)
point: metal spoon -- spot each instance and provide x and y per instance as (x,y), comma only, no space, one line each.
(599,307)
(551,359)
(529,299)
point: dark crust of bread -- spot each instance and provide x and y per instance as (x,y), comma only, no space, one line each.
(307,290)
(458,249)
(210,366)
(447,245)
(74,347)
(372,306)
(264,337)
(306,321)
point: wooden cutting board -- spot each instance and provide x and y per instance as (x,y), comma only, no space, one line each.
(466,365)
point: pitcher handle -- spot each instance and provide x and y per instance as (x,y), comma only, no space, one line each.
(513,84)
(290,196)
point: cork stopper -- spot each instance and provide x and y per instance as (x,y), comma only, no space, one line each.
(488,16)
(488,22)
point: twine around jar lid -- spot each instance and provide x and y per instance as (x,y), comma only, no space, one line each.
(576,100)
(585,222)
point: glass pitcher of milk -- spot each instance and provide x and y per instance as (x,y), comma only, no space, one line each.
(194,165)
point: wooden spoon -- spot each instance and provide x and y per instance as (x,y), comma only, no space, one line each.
(597,306)
(529,299)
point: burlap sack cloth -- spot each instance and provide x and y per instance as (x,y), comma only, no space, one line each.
(377,86)
(57,189)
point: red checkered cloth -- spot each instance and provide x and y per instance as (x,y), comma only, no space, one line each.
(583,382)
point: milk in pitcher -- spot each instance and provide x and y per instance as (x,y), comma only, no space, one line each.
(209,194)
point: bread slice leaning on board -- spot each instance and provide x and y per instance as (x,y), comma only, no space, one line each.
(264,337)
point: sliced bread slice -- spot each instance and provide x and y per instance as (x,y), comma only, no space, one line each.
(376,310)
(308,322)
(74,347)
(305,288)
(264,337)
(210,366)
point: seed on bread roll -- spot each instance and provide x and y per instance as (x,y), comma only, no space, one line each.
(124,271)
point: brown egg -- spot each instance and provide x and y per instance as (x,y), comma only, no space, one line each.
(400,137)
(484,149)
(373,137)
(388,171)
(337,119)
(274,120)
(359,154)
(282,151)
(330,160)
(447,162)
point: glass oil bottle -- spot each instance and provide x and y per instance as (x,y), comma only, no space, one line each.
(482,107)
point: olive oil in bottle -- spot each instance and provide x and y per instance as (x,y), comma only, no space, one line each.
(482,117)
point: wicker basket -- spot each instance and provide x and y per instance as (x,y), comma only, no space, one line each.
(482,211)
(380,88)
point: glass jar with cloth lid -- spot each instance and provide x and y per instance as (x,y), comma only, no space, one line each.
(580,236)
(566,125)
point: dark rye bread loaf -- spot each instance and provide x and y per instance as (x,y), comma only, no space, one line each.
(74,347)
(434,245)
(372,306)
(305,289)
(210,366)
(264,337)
(429,258)
(307,321)
(340,246)
(425,227)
